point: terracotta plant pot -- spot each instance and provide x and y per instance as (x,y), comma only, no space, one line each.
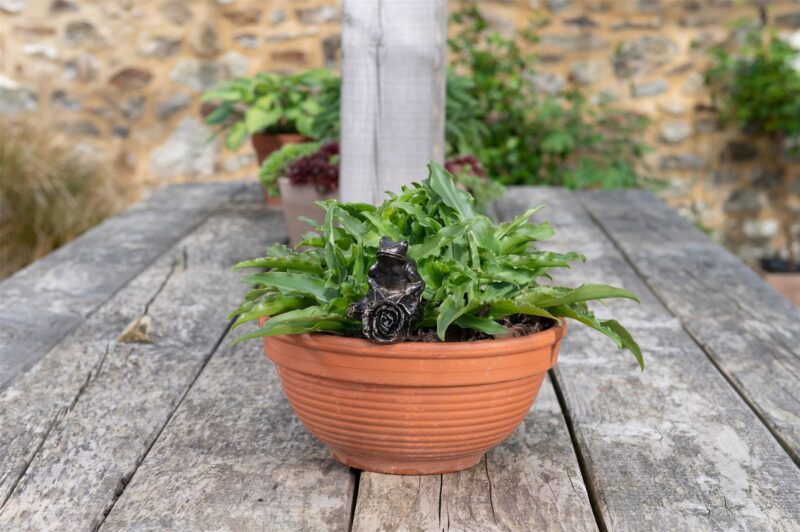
(264,143)
(415,407)
(299,201)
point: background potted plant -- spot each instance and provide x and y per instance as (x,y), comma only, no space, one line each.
(274,166)
(308,179)
(446,376)
(272,109)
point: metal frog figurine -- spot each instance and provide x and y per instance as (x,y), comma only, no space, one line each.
(392,303)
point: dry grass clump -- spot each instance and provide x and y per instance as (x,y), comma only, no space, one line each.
(49,193)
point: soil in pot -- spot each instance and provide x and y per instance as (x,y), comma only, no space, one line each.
(298,200)
(413,407)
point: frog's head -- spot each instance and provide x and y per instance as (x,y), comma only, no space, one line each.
(392,251)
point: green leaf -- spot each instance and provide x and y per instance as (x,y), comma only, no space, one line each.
(508,307)
(442,238)
(236,136)
(298,262)
(305,320)
(558,142)
(451,308)
(517,222)
(294,282)
(257,119)
(269,307)
(442,183)
(218,115)
(468,321)
(586,292)
(610,328)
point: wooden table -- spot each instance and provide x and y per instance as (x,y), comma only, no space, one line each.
(124,405)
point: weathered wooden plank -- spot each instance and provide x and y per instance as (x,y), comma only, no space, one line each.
(59,291)
(77,424)
(235,457)
(750,331)
(530,482)
(674,447)
(393,89)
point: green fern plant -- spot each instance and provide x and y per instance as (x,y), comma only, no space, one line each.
(476,272)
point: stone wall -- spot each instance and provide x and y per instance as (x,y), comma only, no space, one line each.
(124,78)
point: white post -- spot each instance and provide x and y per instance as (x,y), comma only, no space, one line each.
(393,94)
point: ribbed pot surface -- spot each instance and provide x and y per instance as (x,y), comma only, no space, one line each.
(412,408)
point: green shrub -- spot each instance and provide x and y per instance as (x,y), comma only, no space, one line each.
(756,84)
(476,273)
(48,193)
(535,138)
(269,103)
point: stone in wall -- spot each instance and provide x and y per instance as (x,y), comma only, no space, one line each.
(204,40)
(160,46)
(14,98)
(243,17)
(675,131)
(681,162)
(187,152)
(63,6)
(176,11)
(12,7)
(203,75)
(80,32)
(83,68)
(588,72)
(60,98)
(547,82)
(646,89)
(574,42)
(318,15)
(133,108)
(172,105)
(643,55)
(131,78)
(745,201)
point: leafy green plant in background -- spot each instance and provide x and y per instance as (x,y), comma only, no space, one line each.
(535,138)
(757,86)
(275,164)
(476,273)
(268,103)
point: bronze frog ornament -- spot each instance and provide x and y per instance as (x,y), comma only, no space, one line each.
(393,301)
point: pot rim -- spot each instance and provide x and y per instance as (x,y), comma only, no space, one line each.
(470,349)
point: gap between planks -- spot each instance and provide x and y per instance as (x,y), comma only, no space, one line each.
(127,481)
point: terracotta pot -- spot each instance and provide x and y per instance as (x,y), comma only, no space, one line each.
(269,200)
(415,407)
(264,144)
(299,201)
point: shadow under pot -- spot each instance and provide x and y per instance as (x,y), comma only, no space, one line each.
(298,200)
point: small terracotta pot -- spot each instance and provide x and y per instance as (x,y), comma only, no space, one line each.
(264,143)
(299,201)
(269,200)
(414,407)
